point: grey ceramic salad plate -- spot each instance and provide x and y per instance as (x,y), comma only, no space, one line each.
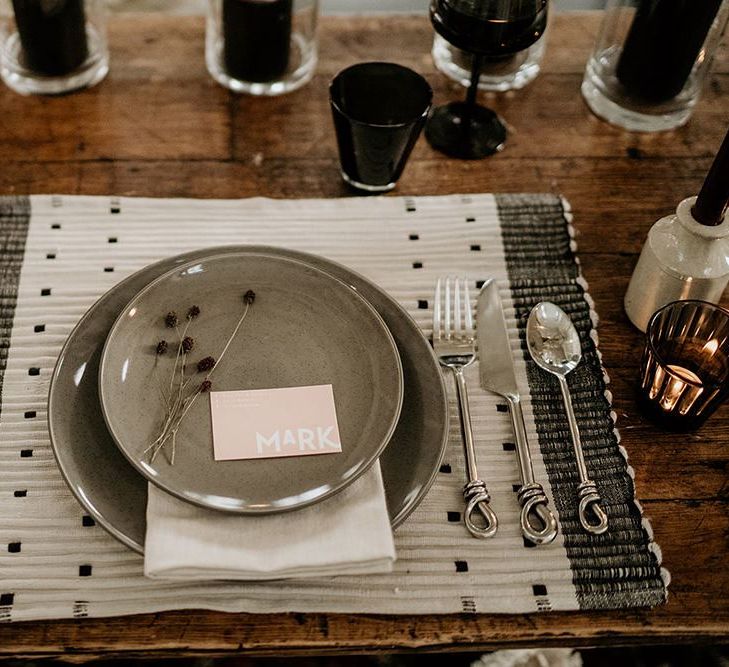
(305,328)
(115,495)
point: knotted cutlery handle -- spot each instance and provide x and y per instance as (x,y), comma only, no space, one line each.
(538,524)
(475,493)
(589,508)
(592,517)
(477,500)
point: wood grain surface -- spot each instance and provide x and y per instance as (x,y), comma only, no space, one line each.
(159,126)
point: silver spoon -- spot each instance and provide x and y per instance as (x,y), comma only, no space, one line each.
(554,344)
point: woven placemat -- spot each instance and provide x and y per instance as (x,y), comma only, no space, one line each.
(60,253)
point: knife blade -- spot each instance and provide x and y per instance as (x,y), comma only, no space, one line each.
(496,368)
(497,374)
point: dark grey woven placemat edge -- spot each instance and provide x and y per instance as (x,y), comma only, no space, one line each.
(14,219)
(621,568)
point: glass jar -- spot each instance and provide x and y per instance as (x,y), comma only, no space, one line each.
(497,74)
(261,47)
(651,60)
(49,47)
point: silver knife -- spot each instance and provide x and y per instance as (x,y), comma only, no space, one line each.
(496,369)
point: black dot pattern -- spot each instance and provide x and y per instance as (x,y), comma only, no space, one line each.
(14,547)
(423,304)
(539,589)
(508,446)
(39,328)
(29,414)
(87,521)
(26,453)
(454,517)
(46,291)
(461,566)
(446,468)
(414,237)
(84,570)
(33,371)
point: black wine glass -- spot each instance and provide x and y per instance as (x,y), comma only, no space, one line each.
(486,29)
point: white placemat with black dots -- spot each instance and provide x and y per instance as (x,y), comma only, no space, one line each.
(58,254)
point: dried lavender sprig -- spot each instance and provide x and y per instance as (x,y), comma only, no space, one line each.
(248,299)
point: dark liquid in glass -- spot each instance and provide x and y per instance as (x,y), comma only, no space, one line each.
(490,28)
(52,34)
(257,38)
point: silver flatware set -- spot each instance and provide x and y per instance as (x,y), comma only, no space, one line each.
(553,343)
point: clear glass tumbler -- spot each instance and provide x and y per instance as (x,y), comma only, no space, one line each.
(651,59)
(261,47)
(684,374)
(48,47)
(497,74)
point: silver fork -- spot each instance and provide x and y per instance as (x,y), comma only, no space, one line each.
(455,347)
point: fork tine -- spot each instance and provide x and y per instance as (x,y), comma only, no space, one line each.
(448,332)
(457,314)
(437,320)
(467,309)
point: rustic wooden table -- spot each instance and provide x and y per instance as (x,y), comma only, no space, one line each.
(159,126)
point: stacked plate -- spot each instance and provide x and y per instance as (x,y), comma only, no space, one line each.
(314,322)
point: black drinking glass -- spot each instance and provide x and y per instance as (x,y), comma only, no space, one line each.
(486,29)
(379,110)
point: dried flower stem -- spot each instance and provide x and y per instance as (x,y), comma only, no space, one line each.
(177,409)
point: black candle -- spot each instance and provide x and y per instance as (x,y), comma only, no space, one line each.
(257,38)
(53,35)
(662,45)
(712,200)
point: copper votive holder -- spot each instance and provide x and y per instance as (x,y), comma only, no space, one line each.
(684,373)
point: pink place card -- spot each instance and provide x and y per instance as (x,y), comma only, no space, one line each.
(266,423)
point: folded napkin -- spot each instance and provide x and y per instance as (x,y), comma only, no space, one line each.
(348,533)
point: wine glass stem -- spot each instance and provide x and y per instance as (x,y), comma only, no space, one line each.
(472,90)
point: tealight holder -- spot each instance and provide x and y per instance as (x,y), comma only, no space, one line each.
(685,368)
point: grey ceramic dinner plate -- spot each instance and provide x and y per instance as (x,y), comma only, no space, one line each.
(306,328)
(115,495)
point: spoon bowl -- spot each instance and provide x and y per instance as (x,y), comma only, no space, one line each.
(552,339)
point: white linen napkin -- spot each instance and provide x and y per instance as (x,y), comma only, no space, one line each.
(348,533)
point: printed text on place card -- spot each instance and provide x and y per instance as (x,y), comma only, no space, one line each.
(266,423)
